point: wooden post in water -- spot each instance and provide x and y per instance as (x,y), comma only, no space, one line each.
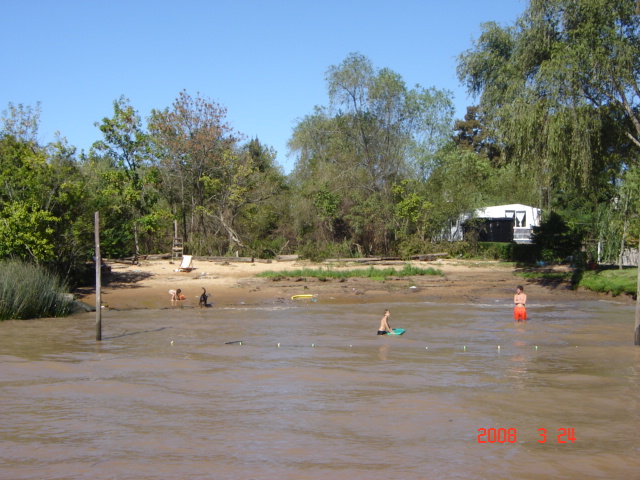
(98,280)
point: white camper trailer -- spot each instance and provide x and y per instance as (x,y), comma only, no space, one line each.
(524,219)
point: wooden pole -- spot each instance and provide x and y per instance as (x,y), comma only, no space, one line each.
(98,280)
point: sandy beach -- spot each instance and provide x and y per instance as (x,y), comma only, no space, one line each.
(233,283)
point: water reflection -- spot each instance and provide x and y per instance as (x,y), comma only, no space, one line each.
(242,393)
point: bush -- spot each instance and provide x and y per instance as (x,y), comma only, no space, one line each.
(317,252)
(556,239)
(29,291)
(615,282)
(508,252)
(496,251)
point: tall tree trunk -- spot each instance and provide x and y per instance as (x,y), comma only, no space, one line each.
(135,239)
(636,335)
(622,246)
(624,232)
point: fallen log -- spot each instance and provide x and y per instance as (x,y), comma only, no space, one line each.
(126,261)
(225,259)
(365,260)
(428,257)
(287,258)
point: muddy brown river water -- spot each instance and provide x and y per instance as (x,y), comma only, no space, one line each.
(312,393)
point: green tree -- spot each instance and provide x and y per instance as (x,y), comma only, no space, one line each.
(209,178)
(41,198)
(263,215)
(128,181)
(552,85)
(374,134)
(472,135)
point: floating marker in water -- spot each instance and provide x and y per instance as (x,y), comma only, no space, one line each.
(426,348)
(498,347)
(464,348)
(239,343)
(171,342)
(313,344)
(278,345)
(536,347)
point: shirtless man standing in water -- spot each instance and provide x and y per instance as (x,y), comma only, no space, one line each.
(520,299)
(384,324)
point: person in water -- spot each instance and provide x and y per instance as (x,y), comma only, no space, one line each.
(384,324)
(520,311)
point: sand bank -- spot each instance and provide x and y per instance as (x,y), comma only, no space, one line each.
(235,283)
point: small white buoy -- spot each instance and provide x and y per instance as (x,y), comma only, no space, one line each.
(240,343)
(278,345)
(536,347)
(464,348)
(313,344)
(426,348)
(498,347)
(171,342)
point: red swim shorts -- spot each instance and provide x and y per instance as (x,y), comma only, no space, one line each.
(520,313)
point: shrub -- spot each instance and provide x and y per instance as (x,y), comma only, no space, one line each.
(508,252)
(317,252)
(615,282)
(407,271)
(30,291)
(556,239)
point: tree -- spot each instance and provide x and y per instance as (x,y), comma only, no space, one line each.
(193,142)
(551,82)
(208,177)
(472,135)
(41,199)
(374,134)
(21,122)
(263,213)
(126,173)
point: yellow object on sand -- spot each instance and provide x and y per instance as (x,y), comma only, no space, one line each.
(308,295)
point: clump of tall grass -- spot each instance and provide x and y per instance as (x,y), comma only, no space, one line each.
(30,291)
(324,273)
(615,282)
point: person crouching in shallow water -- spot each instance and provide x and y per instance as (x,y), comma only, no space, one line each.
(384,324)
(520,311)
(176,295)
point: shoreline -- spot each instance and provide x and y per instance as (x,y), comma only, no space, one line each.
(146,286)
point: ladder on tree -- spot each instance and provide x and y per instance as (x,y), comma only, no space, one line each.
(176,251)
(178,247)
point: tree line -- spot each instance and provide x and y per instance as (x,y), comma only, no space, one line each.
(383,168)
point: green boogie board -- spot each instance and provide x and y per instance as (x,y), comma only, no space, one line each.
(396,331)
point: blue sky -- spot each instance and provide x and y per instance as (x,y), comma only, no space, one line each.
(265,61)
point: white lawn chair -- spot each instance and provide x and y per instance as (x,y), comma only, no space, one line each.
(187,263)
